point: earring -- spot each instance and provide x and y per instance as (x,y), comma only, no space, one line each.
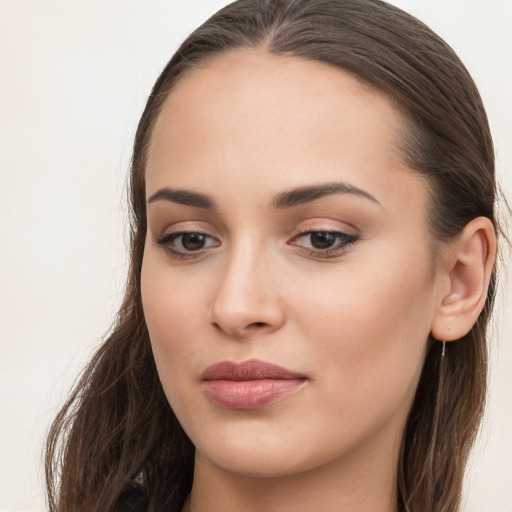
(444,349)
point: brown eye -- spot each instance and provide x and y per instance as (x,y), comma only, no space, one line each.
(187,243)
(324,244)
(322,239)
(193,241)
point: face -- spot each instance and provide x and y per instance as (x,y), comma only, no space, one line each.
(288,282)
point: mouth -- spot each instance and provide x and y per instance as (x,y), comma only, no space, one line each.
(250,384)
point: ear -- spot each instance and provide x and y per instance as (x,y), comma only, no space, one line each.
(466,267)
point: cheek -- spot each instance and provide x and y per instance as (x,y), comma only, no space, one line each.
(173,312)
(370,325)
(391,293)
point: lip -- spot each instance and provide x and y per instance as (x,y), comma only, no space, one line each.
(250,384)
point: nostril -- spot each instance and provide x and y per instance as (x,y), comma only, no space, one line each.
(256,324)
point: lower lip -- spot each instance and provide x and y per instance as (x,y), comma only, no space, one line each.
(249,394)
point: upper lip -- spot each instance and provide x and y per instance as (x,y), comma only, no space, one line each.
(248,370)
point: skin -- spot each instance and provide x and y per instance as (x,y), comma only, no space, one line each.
(242,129)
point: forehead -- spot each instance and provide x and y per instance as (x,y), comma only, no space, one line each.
(278,120)
(253,91)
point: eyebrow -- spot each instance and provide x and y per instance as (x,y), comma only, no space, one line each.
(181,196)
(283,200)
(307,194)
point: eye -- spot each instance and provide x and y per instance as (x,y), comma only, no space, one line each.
(186,243)
(324,243)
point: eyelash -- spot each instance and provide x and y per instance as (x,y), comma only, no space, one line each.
(167,240)
(345,240)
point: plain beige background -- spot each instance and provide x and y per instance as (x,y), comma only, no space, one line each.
(74,76)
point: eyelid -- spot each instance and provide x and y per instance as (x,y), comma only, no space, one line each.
(176,234)
(166,240)
(347,240)
(323,224)
(181,227)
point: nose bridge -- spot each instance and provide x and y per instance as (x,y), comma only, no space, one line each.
(247,297)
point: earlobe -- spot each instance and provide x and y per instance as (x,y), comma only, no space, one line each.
(468,265)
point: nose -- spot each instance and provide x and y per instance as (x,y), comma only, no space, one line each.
(247,300)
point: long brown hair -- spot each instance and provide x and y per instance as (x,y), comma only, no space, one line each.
(116,444)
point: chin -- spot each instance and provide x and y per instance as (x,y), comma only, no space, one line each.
(268,453)
(256,463)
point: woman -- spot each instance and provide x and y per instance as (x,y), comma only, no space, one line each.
(312,194)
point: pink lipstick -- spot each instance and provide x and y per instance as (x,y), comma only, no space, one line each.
(250,384)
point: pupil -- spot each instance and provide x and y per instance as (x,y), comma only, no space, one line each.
(322,240)
(193,241)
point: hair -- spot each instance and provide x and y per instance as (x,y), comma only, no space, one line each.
(116,444)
